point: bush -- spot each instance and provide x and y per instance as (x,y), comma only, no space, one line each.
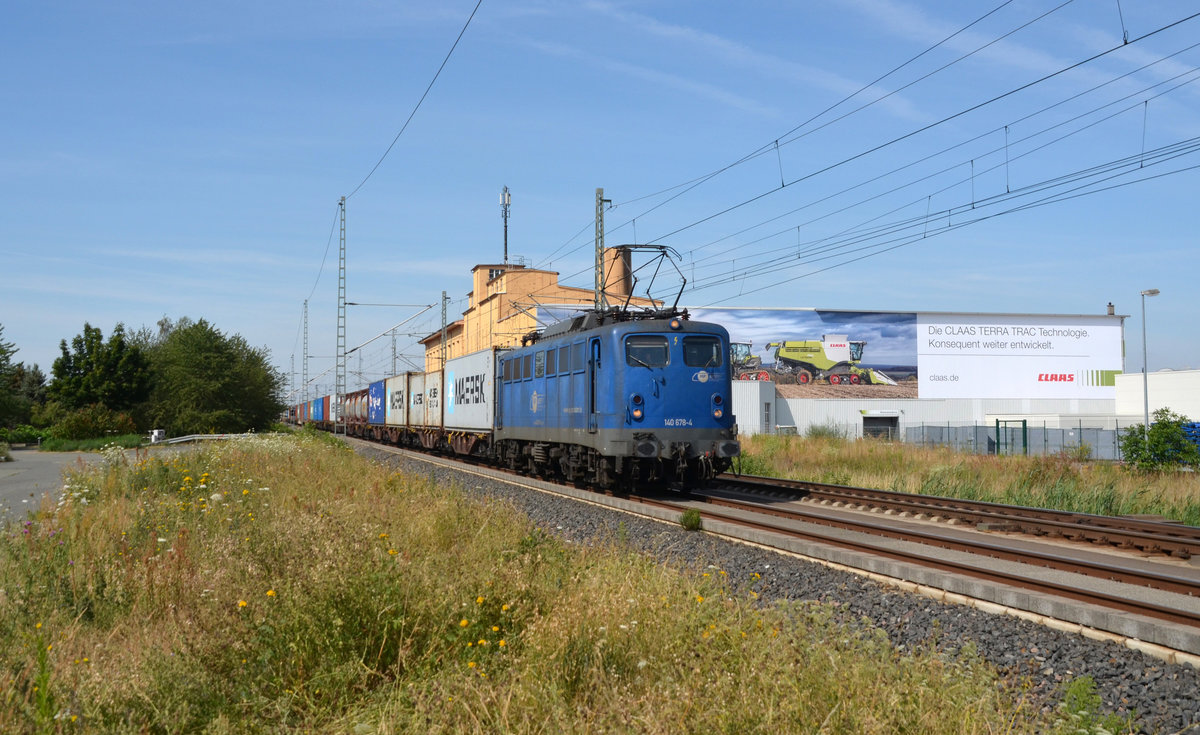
(23,434)
(4,455)
(828,431)
(93,422)
(1164,446)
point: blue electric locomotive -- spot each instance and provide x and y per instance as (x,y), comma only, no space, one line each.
(614,398)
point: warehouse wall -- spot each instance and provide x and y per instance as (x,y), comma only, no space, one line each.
(1178,390)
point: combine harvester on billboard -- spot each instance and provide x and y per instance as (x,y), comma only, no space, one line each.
(834,359)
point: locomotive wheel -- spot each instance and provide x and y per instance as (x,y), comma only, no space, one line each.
(803,377)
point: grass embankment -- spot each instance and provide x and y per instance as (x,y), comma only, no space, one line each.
(1059,482)
(283,583)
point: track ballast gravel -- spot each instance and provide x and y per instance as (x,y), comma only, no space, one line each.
(1165,697)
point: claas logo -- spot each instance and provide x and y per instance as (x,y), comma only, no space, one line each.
(1056,378)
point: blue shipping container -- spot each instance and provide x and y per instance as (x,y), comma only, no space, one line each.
(376,410)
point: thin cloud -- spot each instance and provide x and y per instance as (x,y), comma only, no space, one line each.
(714,46)
(698,89)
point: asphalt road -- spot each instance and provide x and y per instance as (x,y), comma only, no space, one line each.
(31,476)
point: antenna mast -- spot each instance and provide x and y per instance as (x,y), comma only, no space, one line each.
(505,201)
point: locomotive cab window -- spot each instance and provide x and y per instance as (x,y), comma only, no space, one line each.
(702,352)
(550,361)
(539,364)
(647,350)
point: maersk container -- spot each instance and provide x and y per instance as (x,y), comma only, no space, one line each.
(471,391)
(433,400)
(397,400)
(416,399)
(376,413)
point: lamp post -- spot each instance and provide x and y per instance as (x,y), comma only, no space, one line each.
(1146,367)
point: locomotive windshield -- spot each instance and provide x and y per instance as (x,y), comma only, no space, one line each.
(647,350)
(702,352)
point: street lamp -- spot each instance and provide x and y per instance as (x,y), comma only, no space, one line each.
(1145,368)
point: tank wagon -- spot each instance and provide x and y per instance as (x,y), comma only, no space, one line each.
(609,398)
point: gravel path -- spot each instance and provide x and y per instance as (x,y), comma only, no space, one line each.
(1165,697)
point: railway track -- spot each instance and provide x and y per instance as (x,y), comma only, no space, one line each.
(1118,593)
(872,535)
(1150,536)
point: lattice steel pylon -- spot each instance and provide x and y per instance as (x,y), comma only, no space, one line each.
(601,298)
(304,370)
(339,390)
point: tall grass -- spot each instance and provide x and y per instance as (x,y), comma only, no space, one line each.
(1056,481)
(283,583)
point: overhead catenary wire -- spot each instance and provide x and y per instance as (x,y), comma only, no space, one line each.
(948,149)
(1097,175)
(908,135)
(419,102)
(925,128)
(692,183)
(722,266)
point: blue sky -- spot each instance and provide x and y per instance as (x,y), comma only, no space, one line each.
(169,159)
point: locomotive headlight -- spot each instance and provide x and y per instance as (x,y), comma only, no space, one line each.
(636,401)
(717,399)
(676,324)
(718,413)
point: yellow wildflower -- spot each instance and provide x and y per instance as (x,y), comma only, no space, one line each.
(270,593)
(241,603)
(462,623)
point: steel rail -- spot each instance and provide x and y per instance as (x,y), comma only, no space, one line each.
(1023,581)
(1176,539)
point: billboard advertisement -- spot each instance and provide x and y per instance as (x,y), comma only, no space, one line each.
(821,353)
(1023,356)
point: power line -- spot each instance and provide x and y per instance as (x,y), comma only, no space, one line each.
(925,128)
(1084,178)
(418,106)
(693,183)
(722,265)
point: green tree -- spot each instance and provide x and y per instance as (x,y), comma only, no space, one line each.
(206,381)
(114,374)
(9,386)
(1164,445)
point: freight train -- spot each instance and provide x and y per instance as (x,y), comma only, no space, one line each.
(609,398)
